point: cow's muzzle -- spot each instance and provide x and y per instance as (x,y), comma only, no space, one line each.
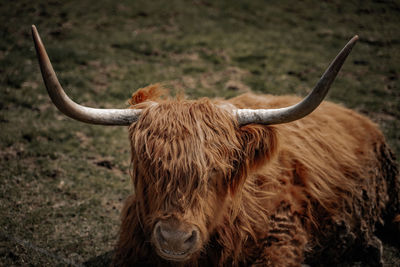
(176,241)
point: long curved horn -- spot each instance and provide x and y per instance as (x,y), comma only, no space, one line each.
(307,105)
(69,107)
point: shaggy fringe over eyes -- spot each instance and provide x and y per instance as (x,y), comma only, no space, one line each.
(176,147)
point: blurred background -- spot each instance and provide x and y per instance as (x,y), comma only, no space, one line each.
(62,183)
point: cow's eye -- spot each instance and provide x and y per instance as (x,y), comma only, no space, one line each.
(213,171)
(214,177)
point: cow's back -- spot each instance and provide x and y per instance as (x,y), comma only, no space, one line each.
(335,168)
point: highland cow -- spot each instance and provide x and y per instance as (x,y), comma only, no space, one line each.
(254,180)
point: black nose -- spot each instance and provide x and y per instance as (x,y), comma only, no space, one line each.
(175,240)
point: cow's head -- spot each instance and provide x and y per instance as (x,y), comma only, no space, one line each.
(189,158)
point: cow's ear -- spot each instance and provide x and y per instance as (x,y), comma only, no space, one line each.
(259,144)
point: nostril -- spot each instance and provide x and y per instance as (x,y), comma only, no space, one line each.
(192,238)
(160,235)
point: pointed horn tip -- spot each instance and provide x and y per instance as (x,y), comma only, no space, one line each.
(35,32)
(354,39)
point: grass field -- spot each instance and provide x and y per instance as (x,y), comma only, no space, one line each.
(62,183)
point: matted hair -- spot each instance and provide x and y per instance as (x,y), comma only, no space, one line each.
(191,160)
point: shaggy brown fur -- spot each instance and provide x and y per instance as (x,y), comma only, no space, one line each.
(260,195)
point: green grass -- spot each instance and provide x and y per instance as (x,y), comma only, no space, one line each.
(62,183)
